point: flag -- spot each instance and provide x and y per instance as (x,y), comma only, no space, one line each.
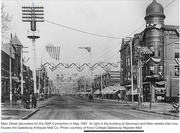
(158,26)
(177,60)
(54,52)
(87,48)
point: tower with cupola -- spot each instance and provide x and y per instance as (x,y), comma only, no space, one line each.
(154,35)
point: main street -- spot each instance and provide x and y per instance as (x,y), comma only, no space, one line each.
(65,107)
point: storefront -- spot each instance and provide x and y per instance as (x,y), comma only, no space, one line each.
(160,91)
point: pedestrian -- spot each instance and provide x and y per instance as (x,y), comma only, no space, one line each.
(119,97)
(177,99)
(34,101)
(15,93)
(27,99)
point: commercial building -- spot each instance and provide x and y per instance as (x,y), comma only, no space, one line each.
(12,51)
(155,56)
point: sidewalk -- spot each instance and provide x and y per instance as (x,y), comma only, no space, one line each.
(158,108)
(16,111)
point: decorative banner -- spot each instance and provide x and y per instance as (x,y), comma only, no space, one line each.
(87,48)
(80,68)
(54,52)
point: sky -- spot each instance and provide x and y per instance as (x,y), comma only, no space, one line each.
(113,18)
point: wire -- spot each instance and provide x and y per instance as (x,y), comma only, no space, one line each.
(107,52)
(111,56)
(94,34)
(99,35)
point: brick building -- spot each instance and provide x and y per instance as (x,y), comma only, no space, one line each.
(157,49)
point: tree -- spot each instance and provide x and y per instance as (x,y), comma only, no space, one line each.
(5,19)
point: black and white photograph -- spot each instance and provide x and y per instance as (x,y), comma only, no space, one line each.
(83,60)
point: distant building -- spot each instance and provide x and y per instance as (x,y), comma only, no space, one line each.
(158,47)
(106,79)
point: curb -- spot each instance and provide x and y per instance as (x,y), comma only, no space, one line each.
(161,113)
(27,116)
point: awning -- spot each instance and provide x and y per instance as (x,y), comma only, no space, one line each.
(16,79)
(130,92)
(145,50)
(97,91)
(161,83)
(112,89)
(159,88)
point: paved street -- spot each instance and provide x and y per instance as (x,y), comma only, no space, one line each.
(78,108)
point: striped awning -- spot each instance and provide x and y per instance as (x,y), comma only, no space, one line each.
(145,50)
(177,60)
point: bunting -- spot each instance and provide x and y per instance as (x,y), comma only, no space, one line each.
(177,60)
(87,48)
(158,26)
(53,51)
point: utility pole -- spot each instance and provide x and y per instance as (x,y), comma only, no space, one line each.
(10,73)
(44,80)
(33,14)
(22,73)
(132,85)
(130,39)
(139,77)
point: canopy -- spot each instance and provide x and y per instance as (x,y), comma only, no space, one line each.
(112,89)
(161,83)
(97,91)
(130,92)
(145,50)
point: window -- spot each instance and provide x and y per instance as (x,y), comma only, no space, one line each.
(176,55)
(176,50)
(160,68)
(176,70)
(151,70)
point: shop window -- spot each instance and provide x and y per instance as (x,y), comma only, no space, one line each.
(176,70)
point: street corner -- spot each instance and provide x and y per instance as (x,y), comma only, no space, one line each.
(30,114)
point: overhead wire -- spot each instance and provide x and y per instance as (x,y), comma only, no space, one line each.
(99,35)
(94,34)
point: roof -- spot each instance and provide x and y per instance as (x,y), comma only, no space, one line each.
(6,48)
(154,9)
(15,41)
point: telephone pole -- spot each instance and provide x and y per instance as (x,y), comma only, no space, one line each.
(139,77)
(10,73)
(33,14)
(132,85)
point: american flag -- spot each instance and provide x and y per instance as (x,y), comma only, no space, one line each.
(53,51)
(177,60)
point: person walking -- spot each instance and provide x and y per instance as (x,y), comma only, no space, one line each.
(34,101)
(119,97)
(27,99)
